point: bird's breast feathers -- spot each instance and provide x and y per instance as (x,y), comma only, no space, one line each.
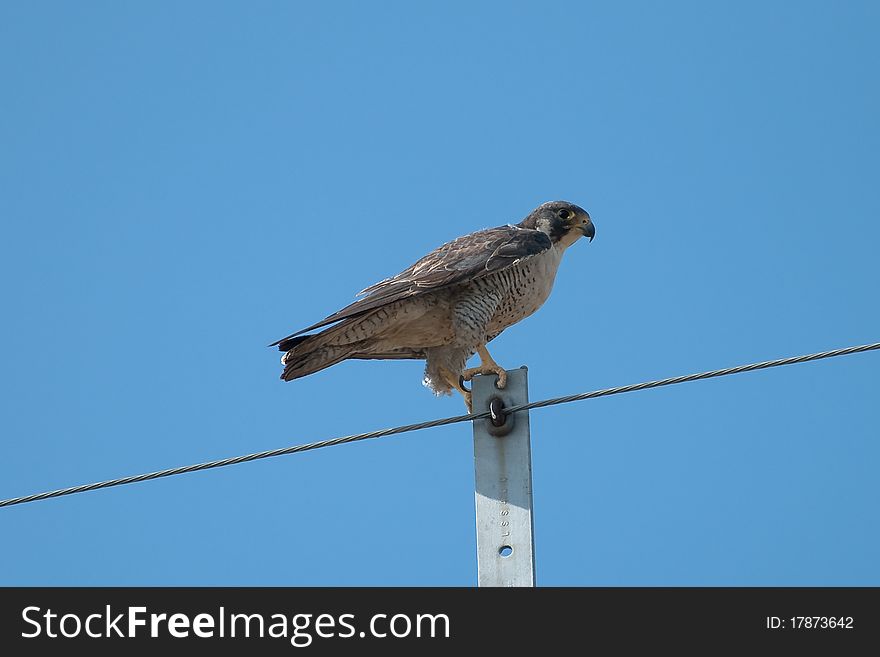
(541,270)
(528,283)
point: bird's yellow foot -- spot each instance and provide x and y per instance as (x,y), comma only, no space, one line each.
(457,384)
(487,366)
(471,372)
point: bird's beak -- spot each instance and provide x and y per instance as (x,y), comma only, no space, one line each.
(588,229)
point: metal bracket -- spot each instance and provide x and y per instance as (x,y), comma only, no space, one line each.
(503,474)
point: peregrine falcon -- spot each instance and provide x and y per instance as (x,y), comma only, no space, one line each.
(448,305)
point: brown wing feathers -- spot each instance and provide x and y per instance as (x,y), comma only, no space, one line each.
(456,262)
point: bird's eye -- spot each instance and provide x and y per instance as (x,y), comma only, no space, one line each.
(565,214)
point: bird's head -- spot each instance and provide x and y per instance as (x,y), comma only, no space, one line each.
(563,222)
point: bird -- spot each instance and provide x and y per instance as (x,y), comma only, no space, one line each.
(448,305)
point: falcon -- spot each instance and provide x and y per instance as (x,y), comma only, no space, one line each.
(449,305)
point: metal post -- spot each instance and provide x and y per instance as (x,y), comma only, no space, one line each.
(503,473)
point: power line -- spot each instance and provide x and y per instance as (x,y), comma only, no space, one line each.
(436,423)
(696,377)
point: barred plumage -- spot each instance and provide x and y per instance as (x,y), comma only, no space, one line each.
(448,305)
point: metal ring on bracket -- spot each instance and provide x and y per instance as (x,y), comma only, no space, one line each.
(496,409)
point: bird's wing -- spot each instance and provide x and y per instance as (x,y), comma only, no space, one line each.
(458,261)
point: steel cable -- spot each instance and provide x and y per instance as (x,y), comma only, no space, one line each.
(436,423)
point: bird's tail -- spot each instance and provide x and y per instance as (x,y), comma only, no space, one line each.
(358,337)
(301,361)
(307,354)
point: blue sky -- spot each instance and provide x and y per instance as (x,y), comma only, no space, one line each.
(183,183)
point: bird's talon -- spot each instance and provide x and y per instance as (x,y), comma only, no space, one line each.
(469,374)
(461,380)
